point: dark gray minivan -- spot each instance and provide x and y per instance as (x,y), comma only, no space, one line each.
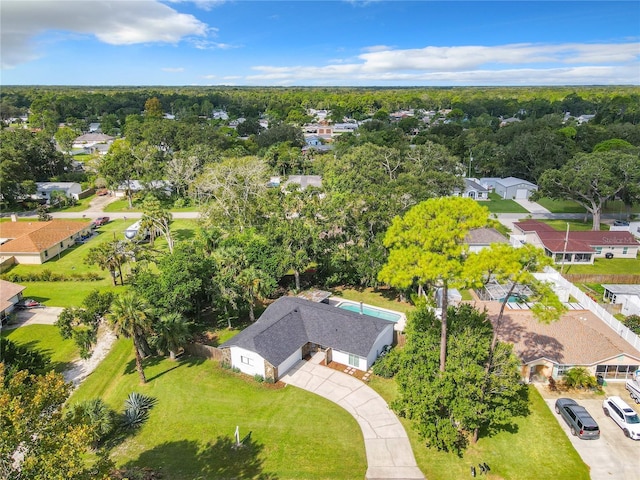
(578,419)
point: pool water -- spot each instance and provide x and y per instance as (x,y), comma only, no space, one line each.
(374,312)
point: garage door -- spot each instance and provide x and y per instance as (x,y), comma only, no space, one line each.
(521,193)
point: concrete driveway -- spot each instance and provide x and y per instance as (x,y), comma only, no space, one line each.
(613,456)
(389,454)
(31,316)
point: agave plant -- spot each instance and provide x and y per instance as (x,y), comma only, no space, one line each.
(136,409)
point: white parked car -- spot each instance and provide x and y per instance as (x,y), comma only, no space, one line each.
(625,416)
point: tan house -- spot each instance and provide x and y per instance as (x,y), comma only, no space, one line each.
(36,242)
(575,247)
(578,339)
(10,294)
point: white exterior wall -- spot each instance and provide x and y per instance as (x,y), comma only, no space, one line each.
(630,305)
(385,338)
(618,252)
(343,358)
(255,365)
(289,362)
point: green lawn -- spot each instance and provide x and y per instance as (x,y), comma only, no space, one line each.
(296,434)
(497,204)
(46,339)
(569,206)
(80,206)
(122,205)
(574,225)
(538,449)
(611,266)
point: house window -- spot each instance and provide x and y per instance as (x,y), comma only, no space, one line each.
(46,254)
(616,372)
(354,360)
(61,244)
(246,360)
(563,369)
(625,250)
(598,249)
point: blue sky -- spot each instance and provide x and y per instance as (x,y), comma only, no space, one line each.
(352,43)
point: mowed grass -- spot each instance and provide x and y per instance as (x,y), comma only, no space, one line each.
(294,434)
(122,205)
(574,225)
(71,293)
(537,449)
(608,266)
(569,206)
(47,340)
(497,204)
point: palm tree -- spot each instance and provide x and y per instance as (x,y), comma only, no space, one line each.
(172,332)
(255,285)
(131,317)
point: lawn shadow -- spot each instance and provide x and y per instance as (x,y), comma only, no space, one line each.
(34,346)
(194,460)
(181,234)
(153,361)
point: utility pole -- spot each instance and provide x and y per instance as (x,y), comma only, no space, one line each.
(564,251)
(470,160)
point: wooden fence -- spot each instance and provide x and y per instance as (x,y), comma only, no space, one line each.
(203,351)
(602,278)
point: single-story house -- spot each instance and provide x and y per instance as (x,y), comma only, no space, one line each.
(36,242)
(626,295)
(472,189)
(575,247)
(136,186)
(304,181)
(631,227)
(291,328)
(45,189)
(10,294)
(578,339)
(510,187)
(480,238)
(90,139)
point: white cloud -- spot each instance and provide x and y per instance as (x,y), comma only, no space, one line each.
(114,22)
(515,64)
(173,69)
(202,44)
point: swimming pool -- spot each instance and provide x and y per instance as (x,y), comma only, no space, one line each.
(371,311)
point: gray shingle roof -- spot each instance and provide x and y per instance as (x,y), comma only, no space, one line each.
(290,322)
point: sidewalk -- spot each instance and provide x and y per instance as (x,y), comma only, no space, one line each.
(532,207)
(389,453)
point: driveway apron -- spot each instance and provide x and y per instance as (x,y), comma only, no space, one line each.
(389,454)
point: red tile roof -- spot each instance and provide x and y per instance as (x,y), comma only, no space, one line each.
(578,242)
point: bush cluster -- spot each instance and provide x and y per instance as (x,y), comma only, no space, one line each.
(47,275)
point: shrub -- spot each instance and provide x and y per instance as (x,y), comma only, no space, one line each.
(96,414)
(388,365)
(136,410)
(632,322)
(579,377)
(235,370)
(258,378)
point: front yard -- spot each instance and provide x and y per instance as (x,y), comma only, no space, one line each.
(190,430)
(537,449)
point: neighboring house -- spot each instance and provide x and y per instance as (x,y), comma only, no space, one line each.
(292,328)
(10,294)
(626,295)
(36,242)
(632,227)
(313,142)
(94,128)
(480,238)
(473,189)
(136,186)
(45,189)
(510,188)
(575,247)
(304,181)
(89,140)
(578,339)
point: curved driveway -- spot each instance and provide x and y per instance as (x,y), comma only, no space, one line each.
(389,454)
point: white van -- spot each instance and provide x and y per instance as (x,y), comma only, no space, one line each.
(625,416)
